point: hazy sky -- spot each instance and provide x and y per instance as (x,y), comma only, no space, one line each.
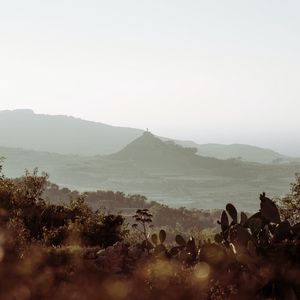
(211,71)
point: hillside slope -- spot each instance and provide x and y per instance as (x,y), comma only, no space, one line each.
(61,134)
(69,135)
(239,151)
(162,171)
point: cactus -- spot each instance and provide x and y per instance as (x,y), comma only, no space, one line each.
(181,245)
(255,225)
(162,236)
(218,238)
(224,221)
(186,251)
(158,241)
(191,248)
(232,212)
(282,231)
(180,240)
(261,231)
(154,239)
(268,209)
(244,218)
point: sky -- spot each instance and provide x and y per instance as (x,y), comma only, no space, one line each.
(208,71)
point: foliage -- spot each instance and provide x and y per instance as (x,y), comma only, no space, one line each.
(33,219)
(290,204)
(172,219)
(1,161)
(143,224)
(260,242)
(70,251)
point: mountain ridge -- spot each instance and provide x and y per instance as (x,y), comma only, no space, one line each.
(161,170)
(63,134)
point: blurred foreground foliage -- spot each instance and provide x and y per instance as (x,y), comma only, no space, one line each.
(71,251)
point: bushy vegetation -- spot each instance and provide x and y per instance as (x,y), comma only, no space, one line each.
(290,204)
(174,220)
(33,219)
(68,250)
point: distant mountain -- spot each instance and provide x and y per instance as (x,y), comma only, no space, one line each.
(239,151)
(149,150)
(61,134)
(17,160)
(69,135)
(162,171)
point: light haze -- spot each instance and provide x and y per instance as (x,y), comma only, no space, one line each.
(210,71)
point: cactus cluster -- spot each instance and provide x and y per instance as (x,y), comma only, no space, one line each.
(255,235)
(249,250)
(262,242)
(261,232)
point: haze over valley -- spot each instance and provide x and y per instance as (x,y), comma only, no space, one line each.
(87,155)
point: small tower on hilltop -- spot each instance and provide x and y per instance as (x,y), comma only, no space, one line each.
(147,133)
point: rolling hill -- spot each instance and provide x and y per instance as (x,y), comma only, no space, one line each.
(239,151)
(61,134)
(162,171)
(69,135)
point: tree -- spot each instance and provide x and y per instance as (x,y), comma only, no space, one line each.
(143,218)
(290,204)
(1,167)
